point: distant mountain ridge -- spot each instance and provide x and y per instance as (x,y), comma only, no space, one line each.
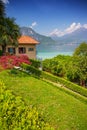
(78,36)
(64,43)
(44,40)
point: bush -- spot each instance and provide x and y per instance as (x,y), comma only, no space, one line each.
(15,115)
(31,70)
(65,83)
(18,72)
(0,52)
(8,62)
(35,63)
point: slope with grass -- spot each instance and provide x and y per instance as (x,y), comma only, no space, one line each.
(62,111)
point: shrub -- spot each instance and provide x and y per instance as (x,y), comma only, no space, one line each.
(65,83)
(18,72)
(15,115)
(8,62)
(31,70)
(0,52)
(35,63)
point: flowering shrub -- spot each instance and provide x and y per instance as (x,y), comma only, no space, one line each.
(8,62)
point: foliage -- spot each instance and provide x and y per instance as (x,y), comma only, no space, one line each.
(18,72)
(74,68)
(9,30)
(31,70)
(15,115)
(0,52)
(80,62)
(65,83)
(81,50)
(9,33)
(61,110)
(8,62)
(2,9)
(56,65)
(35,63)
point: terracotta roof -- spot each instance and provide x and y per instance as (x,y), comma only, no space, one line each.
(27,40)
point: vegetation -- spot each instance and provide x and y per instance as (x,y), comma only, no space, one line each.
(8,62)
(9,30)
(60,109)
(80,56)
(74,68)
(9,33)
(15,115)
(31,70)
(35,63)
(2,9)
(65,83)
(81,50)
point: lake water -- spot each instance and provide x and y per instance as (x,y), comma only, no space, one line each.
(45,55)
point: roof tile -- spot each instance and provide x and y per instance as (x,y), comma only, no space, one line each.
(27,40)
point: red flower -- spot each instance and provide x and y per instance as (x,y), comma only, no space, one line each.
(8,62)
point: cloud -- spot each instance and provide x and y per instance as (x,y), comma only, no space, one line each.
(5,1)
(73,27)
(85,26)
(56,32)
(33,24)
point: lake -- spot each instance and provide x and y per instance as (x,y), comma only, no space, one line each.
(45,55)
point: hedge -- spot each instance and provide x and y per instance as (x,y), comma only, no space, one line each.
(15,115)
(42,74)
(65,83)
(68,91)
(35,63)
(31,70)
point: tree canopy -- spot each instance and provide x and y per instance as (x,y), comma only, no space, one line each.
(2,9)
(9,30)
(81,50)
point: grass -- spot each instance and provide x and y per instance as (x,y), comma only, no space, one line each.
(61,110)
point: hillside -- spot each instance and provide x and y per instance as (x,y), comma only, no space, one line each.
(60,109)
(44,40)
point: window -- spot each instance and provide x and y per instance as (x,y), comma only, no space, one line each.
(22,50)
(11,50)
(30,49)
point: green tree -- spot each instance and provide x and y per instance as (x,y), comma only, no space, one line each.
(2,9)
(80,61)
(81,50)
(9,33)
(9,30)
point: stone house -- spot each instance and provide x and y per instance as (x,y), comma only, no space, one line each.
(26,45)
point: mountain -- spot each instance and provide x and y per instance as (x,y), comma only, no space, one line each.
(61,44)
(76,37)
(45,42)
(70,41)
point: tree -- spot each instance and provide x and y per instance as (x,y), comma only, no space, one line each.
(80,61)
(9,30)
(81,50)
(2,9)
(9,33)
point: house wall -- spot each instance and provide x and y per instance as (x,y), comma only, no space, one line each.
(31,53)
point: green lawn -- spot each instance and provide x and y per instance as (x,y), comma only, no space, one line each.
(61,110)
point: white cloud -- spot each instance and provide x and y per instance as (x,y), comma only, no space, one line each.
(56,32)
(33,24)
(85,26)
(74,26)
(5,1)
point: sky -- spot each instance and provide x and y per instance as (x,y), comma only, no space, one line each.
(49,17)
